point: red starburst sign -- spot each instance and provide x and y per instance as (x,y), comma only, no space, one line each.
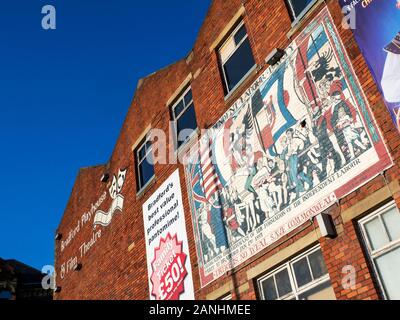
(168,269)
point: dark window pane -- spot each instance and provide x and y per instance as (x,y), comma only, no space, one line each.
(148,146)
(302,272)
(146,170)
(299,5)
(268,287)
(283,283)
(178,108)
(186,121)
(240,34)
(141,153)
(188,98)
(239,64)
(317,263)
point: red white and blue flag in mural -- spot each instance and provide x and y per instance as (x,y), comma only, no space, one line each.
(299,139)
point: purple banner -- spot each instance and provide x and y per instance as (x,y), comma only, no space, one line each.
(377,31)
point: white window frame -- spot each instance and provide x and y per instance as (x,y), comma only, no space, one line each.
(297,18)
(176,118)
(139,161)
(232,34)
(374,254)
(289,267)
(226,297)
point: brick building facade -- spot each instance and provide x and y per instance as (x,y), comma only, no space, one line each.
(108,261)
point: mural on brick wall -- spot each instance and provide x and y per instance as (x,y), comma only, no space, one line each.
(300,138)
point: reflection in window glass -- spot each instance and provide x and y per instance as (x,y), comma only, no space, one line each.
(146,170)
(317,264)
(392,223)
(186,125)
(376,234)
(283,283)
(269,289)
(188,98)
(302,272)
(240,35)
(142,153)
(388,267)
(178,109)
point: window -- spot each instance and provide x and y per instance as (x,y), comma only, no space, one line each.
(144,163)
(236,58)
(226,297)
(184,118)
(381,232)
(303,278)
(298,8)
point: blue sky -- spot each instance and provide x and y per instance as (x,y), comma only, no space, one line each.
(64,94)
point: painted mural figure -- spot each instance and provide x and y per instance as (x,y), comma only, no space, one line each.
(208,240)
(344,121)
(232,216)
(274,185)
(350,133)
(263,183)
(293,148)
(238,148)
(282,182)
(323,130)
(217,223)
(244,168)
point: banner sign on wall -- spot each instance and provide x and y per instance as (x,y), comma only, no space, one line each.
(168,260)
(377,32)
(300,138)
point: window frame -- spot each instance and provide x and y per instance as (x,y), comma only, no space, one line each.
(391,246)
(226,297)
(296,290)
(296,19)
(231,35)
(138,161)
(175,118)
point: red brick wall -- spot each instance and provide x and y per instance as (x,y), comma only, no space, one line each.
(109,270)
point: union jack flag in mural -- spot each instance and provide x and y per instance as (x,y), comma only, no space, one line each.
(208,177)
(205,182)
